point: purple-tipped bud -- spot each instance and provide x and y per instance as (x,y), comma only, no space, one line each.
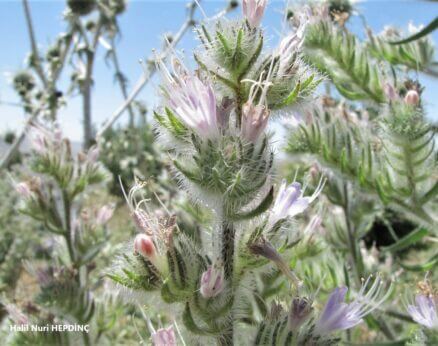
(299,313)
(144,245)
(264,248)
(104,214)
(164,337)
(412,98)
(253,11)
(424,311)
(212,281)
(254,121)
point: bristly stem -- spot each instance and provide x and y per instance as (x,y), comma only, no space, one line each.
(228,237)
(356,262)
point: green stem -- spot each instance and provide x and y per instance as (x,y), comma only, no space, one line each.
(351,236)
(228,233)
(67,234)
(239,103)
(86,339)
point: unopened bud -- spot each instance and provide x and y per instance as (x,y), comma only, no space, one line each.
(164,337)
(145,246)
(253,11)
(389,91)
(104,214)
(93,154)
(412,98)
(299,312)
(23,189)
(212,281)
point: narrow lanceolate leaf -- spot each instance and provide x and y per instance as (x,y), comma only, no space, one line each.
(428,265)
(191,325)
(176,125)
(259,209)
(192,176)
(229,83)
(424,32)
(292,97)
(171,123)
(407,241)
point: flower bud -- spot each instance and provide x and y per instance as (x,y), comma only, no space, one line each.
(299,312)
(253,11)
(212,281)
(23,189)
(104,214)
(412,98)
(93,154)
(145,246)
(389,91)
(254,121)
(164,337)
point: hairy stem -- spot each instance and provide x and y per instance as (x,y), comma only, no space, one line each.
(228,233)
(67,226)
(357,267)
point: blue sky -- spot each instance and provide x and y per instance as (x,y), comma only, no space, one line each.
(142,26)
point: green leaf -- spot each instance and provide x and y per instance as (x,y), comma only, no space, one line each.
(177,126)
(425,31)
(407,241)
(428,265)
(262,207)
(192,176)
(292,97)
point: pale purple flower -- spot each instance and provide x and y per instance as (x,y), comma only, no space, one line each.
(291,201)
(192,100)
(104,214)
(164,337)
(212,281)
(23,189)
(338,315)
(253,11)
(424,311)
